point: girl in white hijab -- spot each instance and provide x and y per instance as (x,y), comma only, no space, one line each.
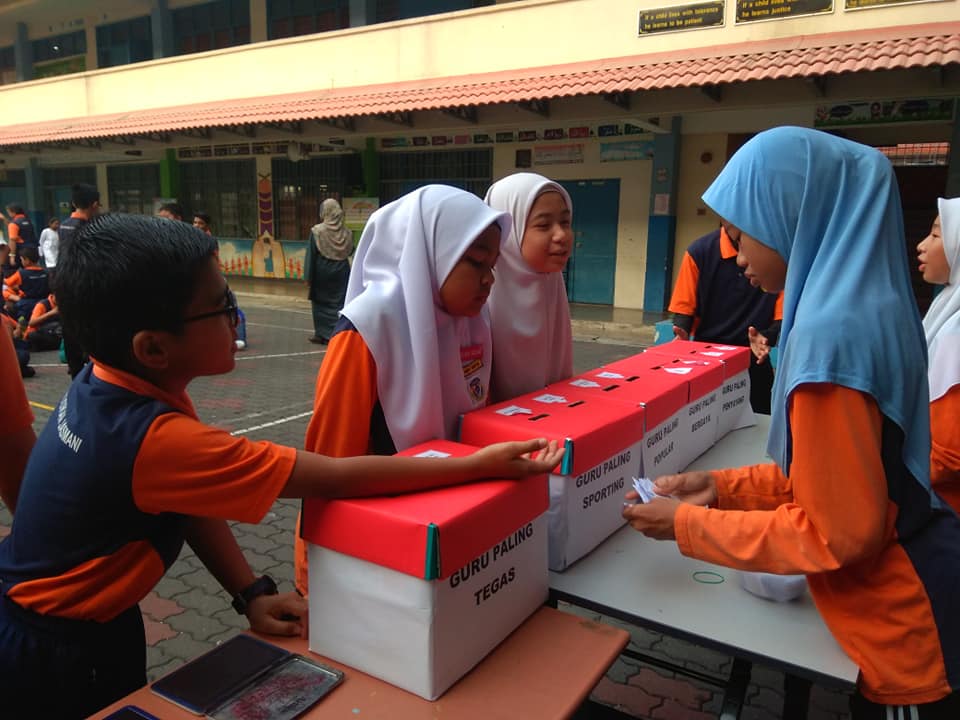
(412,349)
(532,341)
(939,257)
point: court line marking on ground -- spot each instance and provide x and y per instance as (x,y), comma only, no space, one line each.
(280,327)
(272,411)
(49,408)
(49,365)
(272,423)
(281,355)
(280,308)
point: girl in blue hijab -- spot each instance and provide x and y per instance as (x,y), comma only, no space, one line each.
(847,500)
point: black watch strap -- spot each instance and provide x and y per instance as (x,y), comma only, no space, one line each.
(263,585)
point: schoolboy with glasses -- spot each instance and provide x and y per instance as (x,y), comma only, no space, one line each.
(124,472)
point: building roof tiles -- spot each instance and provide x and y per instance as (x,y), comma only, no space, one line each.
(792,57)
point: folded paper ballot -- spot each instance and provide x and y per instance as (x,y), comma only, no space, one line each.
(644,488)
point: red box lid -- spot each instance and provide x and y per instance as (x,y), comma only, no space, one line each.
(592,428)
(735,359)
(429,534)
(659,394)
(703,375)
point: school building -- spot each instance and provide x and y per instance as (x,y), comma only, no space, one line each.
(256,110)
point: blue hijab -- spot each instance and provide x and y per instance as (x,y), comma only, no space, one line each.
(831,209)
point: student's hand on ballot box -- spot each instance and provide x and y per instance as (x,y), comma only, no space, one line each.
(655,519)
(283,614)
(518,459)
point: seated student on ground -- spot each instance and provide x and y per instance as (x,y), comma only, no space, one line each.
(44,331)
(15,331)
(8,261)
(29,285)
(171,211)
(939,259)
(125,471)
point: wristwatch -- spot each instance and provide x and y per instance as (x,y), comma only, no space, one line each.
(263,585)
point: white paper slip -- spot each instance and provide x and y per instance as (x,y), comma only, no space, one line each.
(548,398)
(580,382)
(514,410)
(644,488)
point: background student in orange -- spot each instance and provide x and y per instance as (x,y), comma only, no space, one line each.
(713,302)
(847,500)
(529,313)
(412,349)
(20,231)
(939,258)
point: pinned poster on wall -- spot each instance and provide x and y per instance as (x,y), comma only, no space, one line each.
(626,150)
(878,112)
(357,210)
(558,154)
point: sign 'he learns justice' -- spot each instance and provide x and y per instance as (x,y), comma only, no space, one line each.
(753,10)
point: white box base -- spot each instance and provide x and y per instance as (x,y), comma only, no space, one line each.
(698,427)
(424,635)
(662,448)
(735,410)
(585,510)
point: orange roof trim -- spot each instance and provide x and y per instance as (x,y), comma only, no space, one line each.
(800,56)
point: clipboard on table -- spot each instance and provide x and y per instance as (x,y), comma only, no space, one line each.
(245,678)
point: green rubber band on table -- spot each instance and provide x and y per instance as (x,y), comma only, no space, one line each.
(708,577)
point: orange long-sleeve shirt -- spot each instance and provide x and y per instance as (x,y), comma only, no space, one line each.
(344,401)
(833,519)
(945,446)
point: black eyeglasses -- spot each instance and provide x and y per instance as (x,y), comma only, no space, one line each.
(229,309)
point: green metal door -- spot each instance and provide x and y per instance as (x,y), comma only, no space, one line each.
(592,266)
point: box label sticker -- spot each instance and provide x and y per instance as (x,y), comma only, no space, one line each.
(607,375)
(661,448)
(493,582)
(433,453)
(585,509)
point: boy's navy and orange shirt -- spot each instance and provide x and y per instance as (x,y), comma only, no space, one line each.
(713,300)
(113,476)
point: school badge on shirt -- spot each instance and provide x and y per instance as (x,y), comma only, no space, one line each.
(471,359)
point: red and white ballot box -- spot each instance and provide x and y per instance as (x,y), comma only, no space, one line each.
(416,589)
(662,396)
(603,453)
(735,410)
(679,438)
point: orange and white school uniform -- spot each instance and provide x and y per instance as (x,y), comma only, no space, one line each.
(94,532)
(941,326)
(848,499)
(400,370)
(529,312)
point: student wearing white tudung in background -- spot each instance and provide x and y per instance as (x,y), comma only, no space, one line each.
(529,314)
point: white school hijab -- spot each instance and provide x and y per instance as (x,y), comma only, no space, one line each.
(532,340)
(941,324)
(427,369)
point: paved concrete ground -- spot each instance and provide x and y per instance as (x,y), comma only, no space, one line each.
(269,397)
